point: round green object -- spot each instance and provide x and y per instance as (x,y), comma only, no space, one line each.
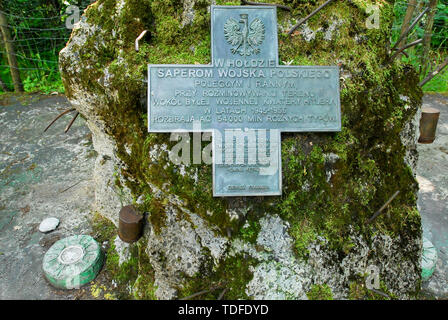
(429,259)
(72,262)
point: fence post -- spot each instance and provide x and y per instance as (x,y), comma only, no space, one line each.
(13,66)
(407,20)
(427,36)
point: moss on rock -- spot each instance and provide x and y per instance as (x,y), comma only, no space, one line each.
(332,182)
(320,292)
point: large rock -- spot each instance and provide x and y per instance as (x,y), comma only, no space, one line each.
(313,236)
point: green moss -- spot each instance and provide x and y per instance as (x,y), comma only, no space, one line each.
(127,272)
(358,291)
(233,274)
(250,230)
(303,234)
(136,272)
(157,214)
(168,30)
(323,195)
(102,228)
(228,3)
(143,287)
(320,292)
(235,270)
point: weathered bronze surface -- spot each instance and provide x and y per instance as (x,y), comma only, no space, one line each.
(245,89)
(130,224)
(428,124)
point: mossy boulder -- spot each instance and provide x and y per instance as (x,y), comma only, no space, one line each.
(313,236)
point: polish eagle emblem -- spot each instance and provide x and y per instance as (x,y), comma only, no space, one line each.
(244,38)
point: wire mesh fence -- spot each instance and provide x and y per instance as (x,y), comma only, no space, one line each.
(38,31)
(425,62)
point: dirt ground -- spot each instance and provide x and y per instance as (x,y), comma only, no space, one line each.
(41,175)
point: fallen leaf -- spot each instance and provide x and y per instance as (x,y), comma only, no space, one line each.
(25,209)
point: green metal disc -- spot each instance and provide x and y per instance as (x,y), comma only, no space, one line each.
(429,259)
(72,262)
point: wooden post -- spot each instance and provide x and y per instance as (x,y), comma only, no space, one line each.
(407,20)
(427,36)
(414,36)
(13,66)
(3,86)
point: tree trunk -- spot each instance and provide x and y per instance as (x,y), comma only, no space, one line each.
(13,66)
(413,36)
(4,86)
(407,20)
(427,36)
(434,73)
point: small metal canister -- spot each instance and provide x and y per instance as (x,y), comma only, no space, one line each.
(428,124)
(130,224)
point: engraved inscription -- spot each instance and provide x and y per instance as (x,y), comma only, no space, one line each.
(287,98)
(246,99)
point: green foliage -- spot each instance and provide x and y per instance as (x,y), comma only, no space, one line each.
(320,292)
(41,37)
(439,43)
(438,83)
(250,230)
(440,29)
(38,33)
(439,40)
(233,273)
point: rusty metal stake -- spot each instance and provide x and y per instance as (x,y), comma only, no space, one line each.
(130,224)
(405,34)
(382,208)
(58,116)
(301,21)
(434,73)
(71,122)
(428,124)
(280,6)
(404,48)
(139,38)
